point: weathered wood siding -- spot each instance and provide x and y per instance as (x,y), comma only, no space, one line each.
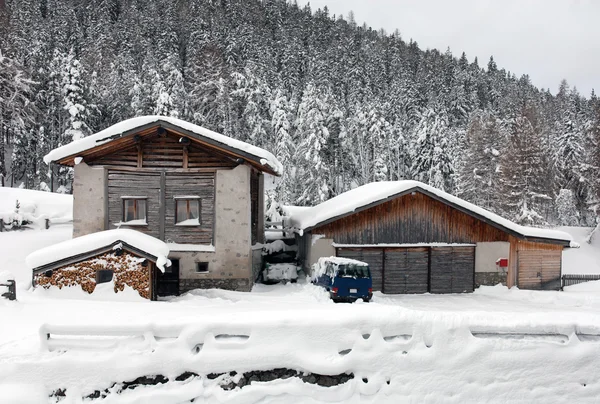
(452,269)
(415,218)
(201,185)
(538,265)
(406,270)
(134,184)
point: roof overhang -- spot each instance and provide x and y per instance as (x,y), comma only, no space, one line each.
(458,207)
(125,139)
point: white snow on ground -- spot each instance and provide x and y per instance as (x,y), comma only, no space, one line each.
(373,192)
(494,345)
(35,206)
(107,135)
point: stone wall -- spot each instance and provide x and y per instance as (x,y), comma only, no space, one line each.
(230,265)
(239,284)
(127,270)
(88,199)
(489,278)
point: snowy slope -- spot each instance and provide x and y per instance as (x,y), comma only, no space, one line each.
(37,204)
(107,134)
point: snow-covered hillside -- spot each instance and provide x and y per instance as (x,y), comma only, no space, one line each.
(35,205)
(586,258)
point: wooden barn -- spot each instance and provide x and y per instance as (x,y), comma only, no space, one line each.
(419,239)
(198,191)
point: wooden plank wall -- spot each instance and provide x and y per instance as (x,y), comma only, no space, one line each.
(254,179)
(134,184)
(538,265)
(415,218)
(199,184)
(164,152)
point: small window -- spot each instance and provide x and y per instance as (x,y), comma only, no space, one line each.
(201,267)
(187,211)
(104,275)
(134,211)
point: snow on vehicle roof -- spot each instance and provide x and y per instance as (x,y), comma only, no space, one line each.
(94,241)
(341,261)
(362,197)
(264,157)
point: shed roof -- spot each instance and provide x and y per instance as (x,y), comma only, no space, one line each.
(90,245)
(260,157)
(375,193)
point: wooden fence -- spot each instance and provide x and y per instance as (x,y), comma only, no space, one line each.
(574,279)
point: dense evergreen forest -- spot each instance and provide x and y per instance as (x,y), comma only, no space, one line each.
(339,104)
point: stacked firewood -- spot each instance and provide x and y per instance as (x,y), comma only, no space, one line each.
(127,270)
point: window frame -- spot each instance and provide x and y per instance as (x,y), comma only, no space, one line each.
(187,199)
(135,199)
(200,264)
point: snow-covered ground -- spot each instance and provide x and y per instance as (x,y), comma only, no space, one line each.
(586,258)
(494,345)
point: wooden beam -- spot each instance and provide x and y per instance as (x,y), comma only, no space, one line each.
(185,157)
(158,170)
(140,155)
(162,208)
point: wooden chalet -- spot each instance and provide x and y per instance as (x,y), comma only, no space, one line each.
(199,191)
(418,239)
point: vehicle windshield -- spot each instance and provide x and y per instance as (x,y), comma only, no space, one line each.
(353,271)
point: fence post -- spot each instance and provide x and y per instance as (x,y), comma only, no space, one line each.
(47,224)
(1,225)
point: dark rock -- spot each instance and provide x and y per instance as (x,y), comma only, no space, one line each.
(185,376)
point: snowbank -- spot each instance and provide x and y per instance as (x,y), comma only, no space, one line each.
(112,132)
(90,242)
(35,206)
(591,286)
(368,194)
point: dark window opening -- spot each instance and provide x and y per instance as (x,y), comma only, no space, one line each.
(201,266)
(187,212)
(134,210)
(104,275)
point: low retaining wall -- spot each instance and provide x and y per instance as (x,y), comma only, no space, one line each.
(237,284)
(489,278)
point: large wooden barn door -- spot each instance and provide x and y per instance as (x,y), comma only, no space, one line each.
(539,269)
(372,256)
(452,269)
(406,270)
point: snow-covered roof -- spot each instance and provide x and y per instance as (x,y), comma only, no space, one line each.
(95,241)
(376,192)
(262,156)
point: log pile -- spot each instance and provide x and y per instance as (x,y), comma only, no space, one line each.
(127,270)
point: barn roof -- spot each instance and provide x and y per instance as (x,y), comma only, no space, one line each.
(375,193)
(94,244)
(128,128)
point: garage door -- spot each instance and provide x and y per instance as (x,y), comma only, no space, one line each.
(452,269)
(406,270)
(539,269)
(372,256)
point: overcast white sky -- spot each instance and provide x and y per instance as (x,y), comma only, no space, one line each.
(547,39)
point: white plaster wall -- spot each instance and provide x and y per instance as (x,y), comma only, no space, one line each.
(317,248)
(88,199)
(232,257)
(487,253)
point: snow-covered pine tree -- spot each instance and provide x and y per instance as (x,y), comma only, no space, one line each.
(284,147)
(74,101)
(313,174)
(522,170)
(566,208)
(479,176)
(431,162)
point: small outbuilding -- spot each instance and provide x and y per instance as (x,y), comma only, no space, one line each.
(419,239)
(126,258)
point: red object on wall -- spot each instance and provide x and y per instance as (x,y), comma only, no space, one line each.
(502,262)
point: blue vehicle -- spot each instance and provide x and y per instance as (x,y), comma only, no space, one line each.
(345,279)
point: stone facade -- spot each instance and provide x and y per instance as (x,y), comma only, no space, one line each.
(88,200)
(489,278)
(239,284)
